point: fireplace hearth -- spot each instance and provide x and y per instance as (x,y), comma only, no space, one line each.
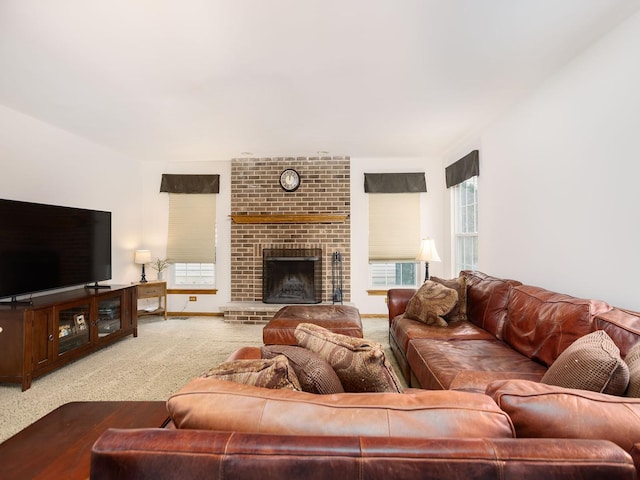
(292,275)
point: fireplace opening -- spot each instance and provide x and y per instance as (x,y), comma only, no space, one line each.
(292,275)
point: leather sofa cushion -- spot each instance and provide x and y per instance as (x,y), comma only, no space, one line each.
(211,404)
(314,374)
(541,324)
(361,365)
(487,300)
(467,364)
(404,330)
(590,363)
(622,326)
(547,411)
(275,372)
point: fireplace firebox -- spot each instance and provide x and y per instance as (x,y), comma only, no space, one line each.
(292,275)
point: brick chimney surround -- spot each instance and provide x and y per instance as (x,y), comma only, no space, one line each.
(264,216)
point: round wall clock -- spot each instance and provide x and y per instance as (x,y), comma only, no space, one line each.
(289,180)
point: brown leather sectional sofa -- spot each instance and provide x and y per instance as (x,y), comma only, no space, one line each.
(512,331)
(479,412)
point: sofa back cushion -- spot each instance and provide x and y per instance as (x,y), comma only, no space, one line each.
(487,300)
(547,411)
(623,326)
(541,324)
(211,404)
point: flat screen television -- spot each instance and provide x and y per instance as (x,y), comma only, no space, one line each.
(46,247)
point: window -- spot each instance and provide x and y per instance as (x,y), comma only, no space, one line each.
(394,239)
(466,224)
(393,274)
(194,274)
(191,242)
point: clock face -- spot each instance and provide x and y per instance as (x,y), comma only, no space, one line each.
(289,180)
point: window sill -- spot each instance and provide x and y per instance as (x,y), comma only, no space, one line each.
(186,291)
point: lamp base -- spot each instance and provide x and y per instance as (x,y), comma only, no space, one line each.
(143,279)
(426,271)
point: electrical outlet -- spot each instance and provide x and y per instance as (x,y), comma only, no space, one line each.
(193,299)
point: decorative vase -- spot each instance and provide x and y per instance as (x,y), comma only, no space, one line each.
(159,275)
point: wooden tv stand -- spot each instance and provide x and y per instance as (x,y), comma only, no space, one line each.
(59,328)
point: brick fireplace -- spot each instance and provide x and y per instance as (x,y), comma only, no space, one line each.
(264,216)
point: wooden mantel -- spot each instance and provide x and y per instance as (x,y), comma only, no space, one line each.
(288,218)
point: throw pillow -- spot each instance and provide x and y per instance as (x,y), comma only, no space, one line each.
(314,374)
(431,302)
(633,362)
(590,363)
(268,373)
(361,365)
(459,311)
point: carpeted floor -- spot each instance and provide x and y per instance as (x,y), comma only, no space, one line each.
(165,356)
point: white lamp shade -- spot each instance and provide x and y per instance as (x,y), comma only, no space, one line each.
(142,256)
(428,252)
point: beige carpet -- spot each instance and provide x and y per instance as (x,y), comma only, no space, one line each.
(165,356)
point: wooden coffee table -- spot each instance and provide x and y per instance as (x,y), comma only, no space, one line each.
(59,444)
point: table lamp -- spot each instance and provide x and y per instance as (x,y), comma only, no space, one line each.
(142,257)
(428,253)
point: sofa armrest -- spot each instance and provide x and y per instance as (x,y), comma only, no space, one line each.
(164,454)
(397,300)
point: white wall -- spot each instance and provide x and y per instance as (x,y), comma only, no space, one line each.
(44,164)
(559,175)
(155,207)
(432,223)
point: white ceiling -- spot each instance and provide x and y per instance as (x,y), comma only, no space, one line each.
(210,79)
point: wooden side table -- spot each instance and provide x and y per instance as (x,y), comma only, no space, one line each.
(59,444)
(156,289)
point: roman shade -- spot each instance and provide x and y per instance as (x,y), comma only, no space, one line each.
(192,228)
(394,226)
(465,168)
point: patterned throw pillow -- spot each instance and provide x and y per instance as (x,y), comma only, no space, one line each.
(590,363)
(430,303)
(459,311)
(314,374)
(633,362)
(361,365)
(268,373)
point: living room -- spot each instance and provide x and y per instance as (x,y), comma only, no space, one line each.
(97,102)
(556,184)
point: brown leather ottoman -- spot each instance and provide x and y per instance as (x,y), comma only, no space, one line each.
(341,319)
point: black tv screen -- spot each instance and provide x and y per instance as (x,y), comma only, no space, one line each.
(44,247)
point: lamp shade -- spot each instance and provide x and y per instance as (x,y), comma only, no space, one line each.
(428,252)
(142,256)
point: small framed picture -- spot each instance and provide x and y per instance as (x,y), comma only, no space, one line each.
(79,320)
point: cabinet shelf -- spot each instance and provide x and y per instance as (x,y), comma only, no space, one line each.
(59,328)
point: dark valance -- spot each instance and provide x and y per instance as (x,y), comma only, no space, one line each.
(465,168)
(190,183)
(394,182)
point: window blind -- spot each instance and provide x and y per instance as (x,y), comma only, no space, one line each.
(192,228)
(394,226)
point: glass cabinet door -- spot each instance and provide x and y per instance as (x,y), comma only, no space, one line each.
(109,315)
(73,327)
